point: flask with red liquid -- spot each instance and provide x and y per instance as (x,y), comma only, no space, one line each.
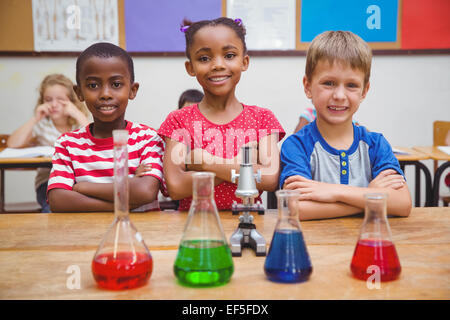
(122,260)
(375,251)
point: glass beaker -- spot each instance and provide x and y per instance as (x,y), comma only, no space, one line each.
(288,259)
(122,260)
(204,257)
(375,250)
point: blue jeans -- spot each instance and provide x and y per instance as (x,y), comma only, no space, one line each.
(41,197)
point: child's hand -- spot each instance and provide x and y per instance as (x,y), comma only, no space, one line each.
(388,179)
(142,169)
(312,190)
(78,187)
(195,158)
(42,111)
(70,110)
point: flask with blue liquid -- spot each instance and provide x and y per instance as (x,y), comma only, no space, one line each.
(288,259)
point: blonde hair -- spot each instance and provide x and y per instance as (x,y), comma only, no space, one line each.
(62,80)
(343,46)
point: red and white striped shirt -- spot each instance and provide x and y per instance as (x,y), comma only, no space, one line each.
(80,157)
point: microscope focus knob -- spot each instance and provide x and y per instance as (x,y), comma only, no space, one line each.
(258,176)
(234,175)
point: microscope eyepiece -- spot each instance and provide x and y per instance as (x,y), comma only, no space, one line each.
(246,155)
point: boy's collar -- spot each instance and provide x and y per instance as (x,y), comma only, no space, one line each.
(330,149)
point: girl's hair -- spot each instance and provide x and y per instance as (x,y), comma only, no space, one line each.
(62,80)
(191,95)
(343,46)
(190,28)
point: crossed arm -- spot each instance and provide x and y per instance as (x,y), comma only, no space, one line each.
(95,197)
(179,164)
(320,200)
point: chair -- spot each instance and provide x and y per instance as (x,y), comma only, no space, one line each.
(271,200)
(3,140)
(26,207)
(440,130)
(168,205)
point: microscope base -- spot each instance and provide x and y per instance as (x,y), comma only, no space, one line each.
(246,236)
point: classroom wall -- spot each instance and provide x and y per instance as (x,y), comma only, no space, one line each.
(407,94)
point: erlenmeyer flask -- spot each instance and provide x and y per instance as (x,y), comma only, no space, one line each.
(375,251)
(204,258)
(122,260)
(288,259)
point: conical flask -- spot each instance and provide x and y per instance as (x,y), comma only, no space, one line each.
(204,258)
(288,259)
(122,260)
(375,252)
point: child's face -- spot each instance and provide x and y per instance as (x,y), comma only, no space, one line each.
(56,96)
(217,59)
(336,91)
(105,86)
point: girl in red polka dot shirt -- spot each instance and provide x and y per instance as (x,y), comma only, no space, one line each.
(208,136)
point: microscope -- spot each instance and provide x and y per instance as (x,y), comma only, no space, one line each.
(246,234)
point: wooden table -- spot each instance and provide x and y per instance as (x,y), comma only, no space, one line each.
(37,250)
(437,155)
(19,163)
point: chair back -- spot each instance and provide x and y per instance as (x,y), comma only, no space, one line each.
(440,129)
(3,140)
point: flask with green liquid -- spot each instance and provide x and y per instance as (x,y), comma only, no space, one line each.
(204,257)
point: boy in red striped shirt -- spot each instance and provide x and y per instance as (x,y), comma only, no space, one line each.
(81,179)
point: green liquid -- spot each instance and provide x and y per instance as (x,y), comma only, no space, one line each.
(203,263)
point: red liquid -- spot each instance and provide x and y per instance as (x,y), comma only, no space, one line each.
(121,272)
(379,253)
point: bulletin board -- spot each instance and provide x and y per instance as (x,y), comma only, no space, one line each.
(377,22)
(154,25)
(151,27)
(426,26)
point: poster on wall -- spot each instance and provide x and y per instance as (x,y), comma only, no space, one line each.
(154,25)
(73,25)
(270,24)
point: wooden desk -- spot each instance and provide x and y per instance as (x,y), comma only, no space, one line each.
(18,163)
(412,154)
(436,154)
(36,250)
(433,152)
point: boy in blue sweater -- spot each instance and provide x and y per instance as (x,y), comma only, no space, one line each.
(331,161)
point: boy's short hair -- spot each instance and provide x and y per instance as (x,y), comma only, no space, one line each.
(343,46)
(104,50)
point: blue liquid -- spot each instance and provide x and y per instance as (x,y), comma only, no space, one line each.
(288,260)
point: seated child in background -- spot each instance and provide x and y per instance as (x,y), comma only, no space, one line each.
(190,97)
(57,111)
(82,173)
(331,161)
(208,136)
(187,98)
(307,116)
